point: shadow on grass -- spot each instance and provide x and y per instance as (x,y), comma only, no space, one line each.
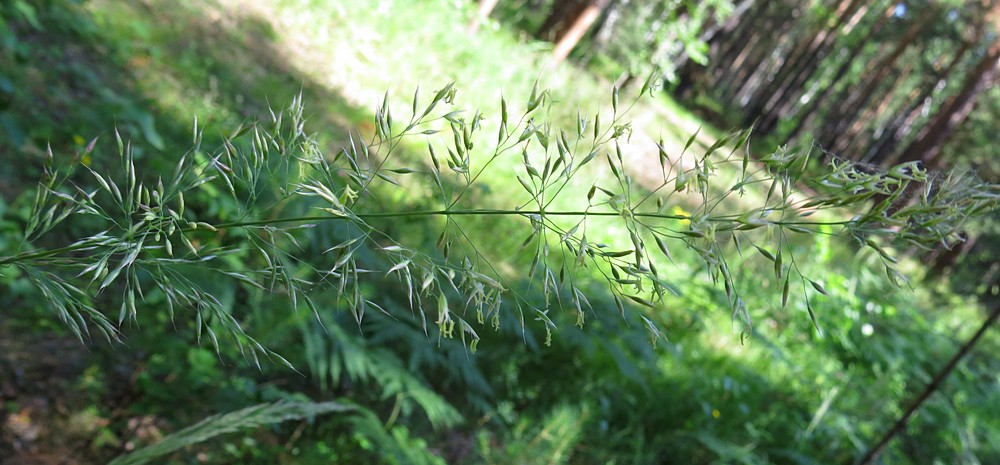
(75,72)
(146,69)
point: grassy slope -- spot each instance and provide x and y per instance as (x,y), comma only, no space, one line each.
(357,50)
(345,44)
(226,62)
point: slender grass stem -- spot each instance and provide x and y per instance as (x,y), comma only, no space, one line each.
(47,253)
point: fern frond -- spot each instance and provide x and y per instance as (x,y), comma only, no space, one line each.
(339,355)
(250,417)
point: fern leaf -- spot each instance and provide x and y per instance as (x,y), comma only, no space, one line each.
(250,417)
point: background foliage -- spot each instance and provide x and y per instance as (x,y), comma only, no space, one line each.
(72,71)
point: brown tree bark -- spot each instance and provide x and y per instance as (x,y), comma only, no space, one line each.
(873,80)
(715,29)
(943,258)
(729,80)
(861,122)
(485,8)
(604,31)
(688,71)
(755,75)
(568,22)
(793,80)
(899,127)
(782,61)
(733,44)
(927,148)
(560,18)
(745,52)
(806,115)
(931,139)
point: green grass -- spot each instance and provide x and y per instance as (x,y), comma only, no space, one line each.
(600,394)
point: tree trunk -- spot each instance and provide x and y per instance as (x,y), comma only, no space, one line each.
(604,33)
(927,146)
(805,116)
(485,8)
(766,66)
(753,74)
(785,58)
(943,258)
(569,22)
(930,140)
(899,127)
(737,42)
(560,18)
(733,59)
(790,87)
(874,79)
(688,71)
(738,68)
(853,132)
(724,27)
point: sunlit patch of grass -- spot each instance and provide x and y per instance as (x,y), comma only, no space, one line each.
(199,59)
(360,50)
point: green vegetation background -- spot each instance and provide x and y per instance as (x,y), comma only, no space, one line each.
(71,71)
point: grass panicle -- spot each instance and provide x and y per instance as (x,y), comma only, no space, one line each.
(149,242)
